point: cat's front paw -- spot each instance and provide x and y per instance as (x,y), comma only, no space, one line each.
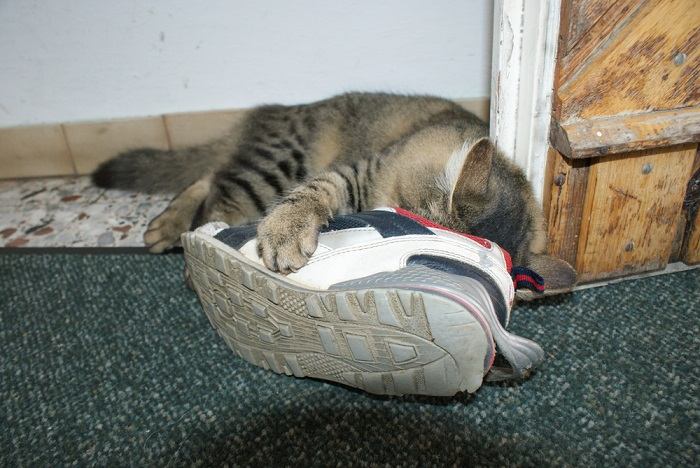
(287,237)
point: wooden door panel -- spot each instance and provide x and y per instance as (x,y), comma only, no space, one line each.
(588,32)
(628,76)
(583,15)
(631,211)
(636,71)
(563,210)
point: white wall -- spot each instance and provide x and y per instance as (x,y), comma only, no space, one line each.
(73,60)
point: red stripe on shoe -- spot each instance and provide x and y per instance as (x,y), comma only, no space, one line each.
(508,260)
(427,223)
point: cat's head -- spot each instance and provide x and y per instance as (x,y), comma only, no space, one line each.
(487,195)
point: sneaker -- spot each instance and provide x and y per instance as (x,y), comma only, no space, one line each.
(389,303)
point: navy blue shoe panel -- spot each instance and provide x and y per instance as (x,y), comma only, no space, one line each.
(236,237)
(449,265)
(387,223)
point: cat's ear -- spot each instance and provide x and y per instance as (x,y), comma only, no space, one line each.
(558,275)
(473,180)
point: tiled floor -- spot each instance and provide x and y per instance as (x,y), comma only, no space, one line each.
(70,212)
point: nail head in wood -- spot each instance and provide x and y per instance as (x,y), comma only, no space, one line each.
(679,58)
(559,179)
(646,168)
(629,246)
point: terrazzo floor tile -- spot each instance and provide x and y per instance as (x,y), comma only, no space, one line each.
(71,212)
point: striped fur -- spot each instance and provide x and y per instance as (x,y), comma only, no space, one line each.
(303,164)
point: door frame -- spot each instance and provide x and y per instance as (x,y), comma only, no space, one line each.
(525,39)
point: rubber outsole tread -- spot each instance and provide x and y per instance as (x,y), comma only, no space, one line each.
(386,340)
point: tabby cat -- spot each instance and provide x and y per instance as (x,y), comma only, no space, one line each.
(303,164)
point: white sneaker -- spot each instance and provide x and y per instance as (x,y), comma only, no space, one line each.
(389,303)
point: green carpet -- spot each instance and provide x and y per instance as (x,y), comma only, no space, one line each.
(108,360)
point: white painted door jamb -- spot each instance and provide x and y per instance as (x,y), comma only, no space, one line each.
(525,34)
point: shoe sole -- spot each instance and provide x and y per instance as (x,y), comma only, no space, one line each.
(383,336)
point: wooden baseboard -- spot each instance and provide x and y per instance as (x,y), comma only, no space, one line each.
(78,148)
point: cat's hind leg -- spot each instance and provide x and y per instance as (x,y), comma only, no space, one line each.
(164,230)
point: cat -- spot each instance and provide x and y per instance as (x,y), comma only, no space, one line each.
(292,168)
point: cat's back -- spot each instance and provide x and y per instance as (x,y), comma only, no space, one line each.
(372,121)
(360,108)
(370,113)
(350,126)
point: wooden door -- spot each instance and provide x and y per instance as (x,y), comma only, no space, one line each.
(624,133)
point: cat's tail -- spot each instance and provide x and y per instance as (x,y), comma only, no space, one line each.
(151,170)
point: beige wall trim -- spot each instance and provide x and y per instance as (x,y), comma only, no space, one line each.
(78,148)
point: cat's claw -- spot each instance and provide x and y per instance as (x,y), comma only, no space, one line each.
(285,242)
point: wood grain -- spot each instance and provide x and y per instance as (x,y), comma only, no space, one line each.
(625,133)
(567,189)
(620,84)
(596,38)
(630,216)
(678,238)
(583,15)
(636,70)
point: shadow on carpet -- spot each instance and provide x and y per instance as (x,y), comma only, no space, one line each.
(108,360)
